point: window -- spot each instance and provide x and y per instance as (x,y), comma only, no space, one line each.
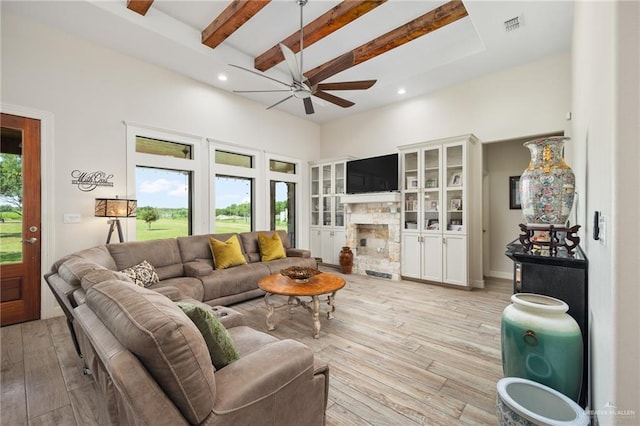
(234,211)
(158,147)
(164,203)
(235,173)
(162,174)
(282,167)
(283,187)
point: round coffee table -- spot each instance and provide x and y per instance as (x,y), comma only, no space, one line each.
(318,285)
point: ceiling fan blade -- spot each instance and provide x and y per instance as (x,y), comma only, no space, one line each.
(337,65)
(308,106)
(279,102)
(347,85)
(261,75)
(333,99)
(261,91)
(290,59)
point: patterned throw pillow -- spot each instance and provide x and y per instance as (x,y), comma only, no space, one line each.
(271,248)
(227,253)
(143,274)
(221,347)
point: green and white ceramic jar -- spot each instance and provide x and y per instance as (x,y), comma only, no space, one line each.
(542,342)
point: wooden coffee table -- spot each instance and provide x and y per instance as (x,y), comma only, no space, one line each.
(321,284)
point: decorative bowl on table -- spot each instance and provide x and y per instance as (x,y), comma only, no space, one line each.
(299,274)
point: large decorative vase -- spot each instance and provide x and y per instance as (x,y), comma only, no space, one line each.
(542,343)
(547,186)
(346,260)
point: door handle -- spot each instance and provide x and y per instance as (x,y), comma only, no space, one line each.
(31,240)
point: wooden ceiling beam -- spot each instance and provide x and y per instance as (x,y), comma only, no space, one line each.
(232,18)
(139,6)
(429,22)
(329,22)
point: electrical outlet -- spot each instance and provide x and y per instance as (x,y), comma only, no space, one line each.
(71,218)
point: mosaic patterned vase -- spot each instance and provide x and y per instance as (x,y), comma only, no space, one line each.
(547,186)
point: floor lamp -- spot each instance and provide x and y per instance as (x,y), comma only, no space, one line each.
(114,209)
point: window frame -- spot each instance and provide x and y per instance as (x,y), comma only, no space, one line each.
(196,166)
(296,178)
(255,173)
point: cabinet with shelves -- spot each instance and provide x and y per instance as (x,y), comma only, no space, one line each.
(441,212)
(328,184)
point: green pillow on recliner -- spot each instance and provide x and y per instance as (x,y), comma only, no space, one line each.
(221,348)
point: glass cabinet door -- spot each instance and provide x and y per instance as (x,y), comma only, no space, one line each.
(455,186)
(411,186)
(326,179)
(431,192)
(315,195)
(326,210)
(339,181)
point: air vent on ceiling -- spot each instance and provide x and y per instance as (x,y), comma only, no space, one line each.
(513,23)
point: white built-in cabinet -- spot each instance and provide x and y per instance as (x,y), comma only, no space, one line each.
(442,211)
(328,184)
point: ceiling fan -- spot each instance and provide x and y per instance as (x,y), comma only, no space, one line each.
(302,87)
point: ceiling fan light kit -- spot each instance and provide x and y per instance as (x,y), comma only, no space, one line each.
(302,87)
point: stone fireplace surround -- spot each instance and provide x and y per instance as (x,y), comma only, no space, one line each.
(374,217)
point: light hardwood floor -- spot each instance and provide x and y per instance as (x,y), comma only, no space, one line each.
(401,353)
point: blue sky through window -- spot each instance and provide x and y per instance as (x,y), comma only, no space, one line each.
(169,189)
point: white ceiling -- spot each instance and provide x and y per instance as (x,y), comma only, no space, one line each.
(170,36)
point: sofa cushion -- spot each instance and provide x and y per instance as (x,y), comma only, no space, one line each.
(221,348)
(188,287)
(250,243)
(163,254)
(227,253)
(270,247)
(75,268)
(164,339)
(99,275)
(196,247)
(142,274)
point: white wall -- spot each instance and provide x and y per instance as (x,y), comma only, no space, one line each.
(90,91)
(522,101)
(502,159)
(606,134)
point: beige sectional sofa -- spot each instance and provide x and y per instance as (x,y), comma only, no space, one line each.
(184,266)
(152,367)
(151,363)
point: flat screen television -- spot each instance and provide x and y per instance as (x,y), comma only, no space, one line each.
(375,174)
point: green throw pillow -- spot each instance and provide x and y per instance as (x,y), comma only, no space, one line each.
(226,253)
(271,248)
(221,348)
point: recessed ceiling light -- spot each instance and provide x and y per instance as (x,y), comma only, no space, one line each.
(401,91)
(222,77)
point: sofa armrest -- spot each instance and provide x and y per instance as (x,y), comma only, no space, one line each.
(170,292)
(197,269)
(296,252)
(261,373)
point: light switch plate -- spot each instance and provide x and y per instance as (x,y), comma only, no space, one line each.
(71,218)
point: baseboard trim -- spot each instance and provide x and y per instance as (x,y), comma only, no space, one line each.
(499,274)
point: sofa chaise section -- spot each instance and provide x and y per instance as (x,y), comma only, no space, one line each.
(152,366)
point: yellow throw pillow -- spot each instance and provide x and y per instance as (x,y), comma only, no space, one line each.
(271,248)
(227,253)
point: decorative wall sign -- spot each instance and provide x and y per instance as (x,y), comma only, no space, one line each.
(88,181)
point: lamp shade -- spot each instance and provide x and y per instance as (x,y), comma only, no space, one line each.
(115,207)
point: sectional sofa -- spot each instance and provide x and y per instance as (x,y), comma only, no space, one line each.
(153,364)
(184,266)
